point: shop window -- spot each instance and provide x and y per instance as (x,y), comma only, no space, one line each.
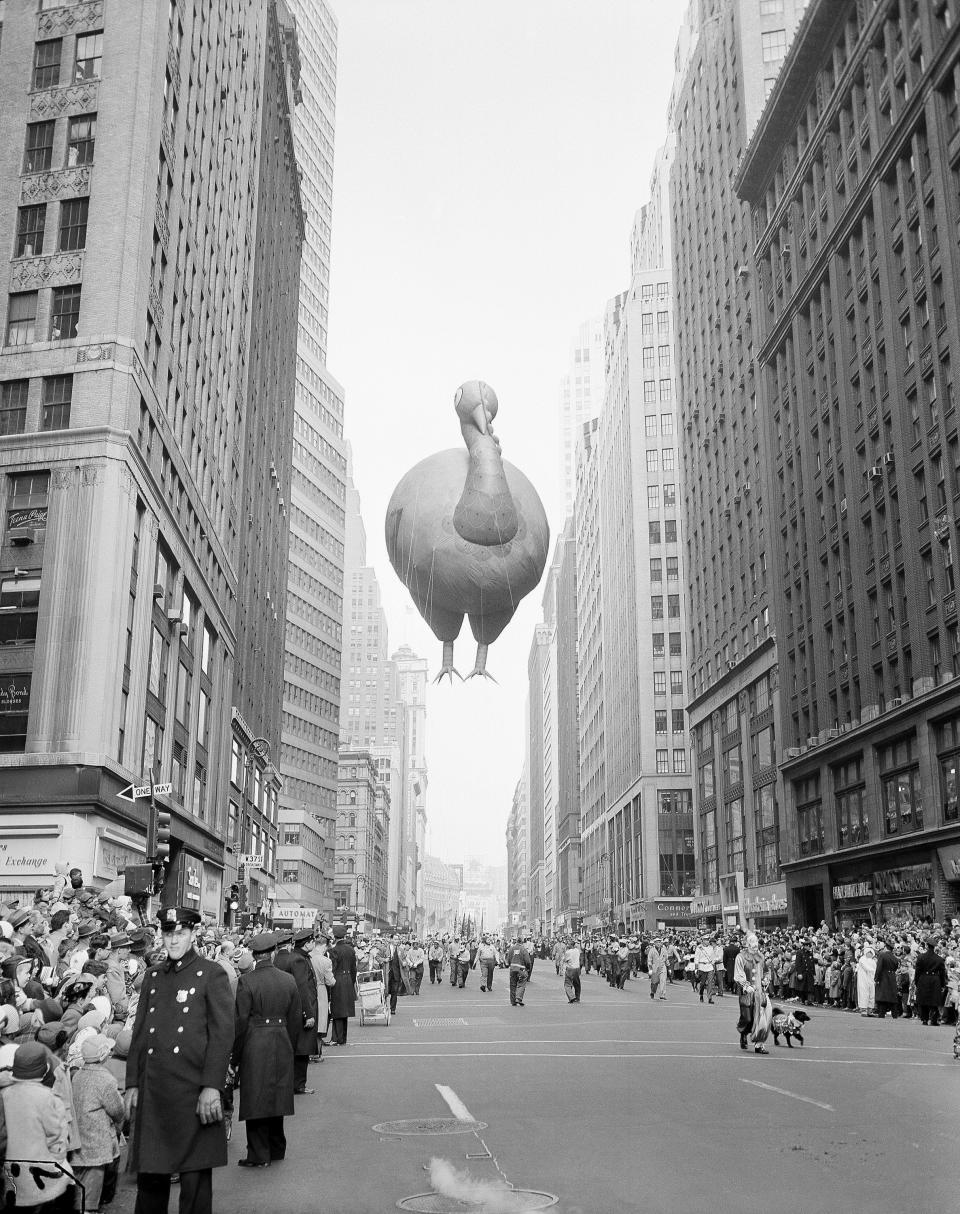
(901,790)
(948,756)
(853,826)
(14,711)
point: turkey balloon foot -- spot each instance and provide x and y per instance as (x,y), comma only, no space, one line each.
(480,666)
(448,667)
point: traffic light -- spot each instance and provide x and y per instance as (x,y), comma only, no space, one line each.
(163,836)
(232,904)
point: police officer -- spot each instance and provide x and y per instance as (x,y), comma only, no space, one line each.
(269,1020)
(176,1070)
(305,1045)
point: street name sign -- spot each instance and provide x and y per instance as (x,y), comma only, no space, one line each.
(251,860)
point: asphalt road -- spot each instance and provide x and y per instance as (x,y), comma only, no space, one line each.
(618,1103)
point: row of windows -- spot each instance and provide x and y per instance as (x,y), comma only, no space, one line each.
(71,230)
(56,395)
(48,60)
(81,143)
(22,316)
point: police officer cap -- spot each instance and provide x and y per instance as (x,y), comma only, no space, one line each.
(301,936)
(283,937)
(264,942)
(178,916)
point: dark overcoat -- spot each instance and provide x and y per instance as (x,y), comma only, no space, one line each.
(804,972)
(269,1020)
(305,976)
(886,978)
(180,1044)
(930,978)
(343,993)
(395,983)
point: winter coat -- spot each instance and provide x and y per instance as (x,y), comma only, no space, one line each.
(930,979)
(269,1020)
(37,1128)
(181,1043)
(804,972)
(302,972)
(395,982)
(323,969)
(99,1108)
(886,978)
(343,993)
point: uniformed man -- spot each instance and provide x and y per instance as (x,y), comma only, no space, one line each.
(305,1044)
(176,1069)
(269,1020)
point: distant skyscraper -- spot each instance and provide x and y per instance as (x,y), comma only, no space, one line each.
(728,59)
(581,397)
(314,625)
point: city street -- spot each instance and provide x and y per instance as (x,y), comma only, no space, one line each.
(615,1104)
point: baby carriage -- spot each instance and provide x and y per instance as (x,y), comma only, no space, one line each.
(372,997)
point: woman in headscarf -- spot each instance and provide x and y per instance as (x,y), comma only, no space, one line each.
(866,970)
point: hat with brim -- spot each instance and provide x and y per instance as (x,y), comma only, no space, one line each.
(18,918)
(303,936)
(264,942)
(86,930)
(178,916)
(120,940)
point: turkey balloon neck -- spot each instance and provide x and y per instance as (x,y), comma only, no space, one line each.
(485,513)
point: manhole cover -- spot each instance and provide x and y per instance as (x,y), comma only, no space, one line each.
(429,1125)
(514,1201)
(439,1022)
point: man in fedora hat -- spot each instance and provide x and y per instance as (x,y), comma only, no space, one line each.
(269,1021)
(176,1069)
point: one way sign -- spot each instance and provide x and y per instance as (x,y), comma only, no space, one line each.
(136,792)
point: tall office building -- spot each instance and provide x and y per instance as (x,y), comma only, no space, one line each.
(149,198)
(538,694)
(581,397)
(516,840)
(728,59)
(412,677)
(592,770)
(852,180)
(314,625)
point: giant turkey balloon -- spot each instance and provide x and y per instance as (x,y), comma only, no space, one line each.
(467,533)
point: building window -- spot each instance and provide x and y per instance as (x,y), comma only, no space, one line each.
(81,139)
(667,455)
(22,318)
(679,761)
(38,155)
(46,63)
(658,644)
(649,391)
(656,569)
(19,603)
(659,683)
(14,710)
(670,499)
(656,606)
(65,313)
(773,45)
(663,762)
(677,722)
(673,606)
(663,358)
(200,791)
(763,750)
(810,828)
(675,644)
(652,461)
(13,406)
(676,682)
(666,421)
(708,850)
(853,827)
(901,791)
(654,531)
(660,720)
(152,757)
(663,324)
(673,568)
(178,770)
(948,755)
(31,222)
(767,828)
(653,498)
(73,225)
(670,527)
(183,694)
(57,396)
(89,54)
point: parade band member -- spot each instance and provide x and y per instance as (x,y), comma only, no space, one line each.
(176,1068)
(268,1026)
(305,1044)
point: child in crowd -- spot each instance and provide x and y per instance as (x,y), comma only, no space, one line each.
(99,1109)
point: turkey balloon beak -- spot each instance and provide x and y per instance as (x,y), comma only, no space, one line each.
(479,418)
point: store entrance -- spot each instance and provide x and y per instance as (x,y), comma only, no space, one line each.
(808,905)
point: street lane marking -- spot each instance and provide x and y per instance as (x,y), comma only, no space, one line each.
(454,1103)
(733,1057)
(877,1049)
(783,1092)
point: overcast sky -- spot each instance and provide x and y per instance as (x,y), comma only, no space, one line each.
(490,158)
